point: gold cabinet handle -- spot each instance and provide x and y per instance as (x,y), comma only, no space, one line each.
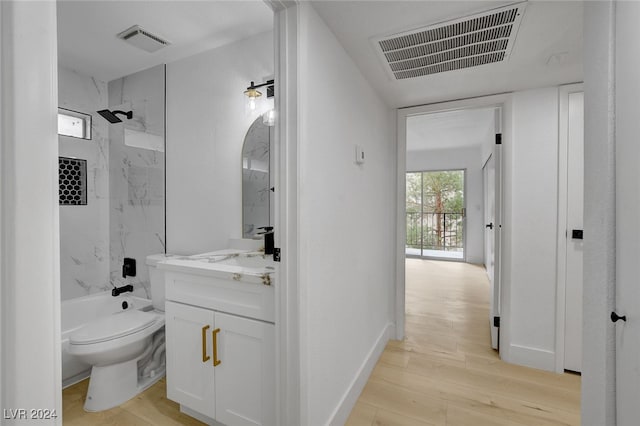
(216,361)
(205,357)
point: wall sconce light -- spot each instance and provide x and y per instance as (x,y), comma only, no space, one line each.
(253,93)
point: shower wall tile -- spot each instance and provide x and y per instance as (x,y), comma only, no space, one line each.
(136,190)
(84,230)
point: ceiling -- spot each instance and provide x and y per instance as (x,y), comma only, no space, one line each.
(547,51)
(87,31)
(450,130)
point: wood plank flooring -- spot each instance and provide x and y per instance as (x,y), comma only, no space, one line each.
(445,372)
(150,408)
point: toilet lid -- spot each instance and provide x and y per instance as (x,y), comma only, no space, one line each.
(112,326)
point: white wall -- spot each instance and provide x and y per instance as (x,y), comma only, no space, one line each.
(530,207)
(206,126)
(346,223)
(30,261)
(470,160)
(84,230)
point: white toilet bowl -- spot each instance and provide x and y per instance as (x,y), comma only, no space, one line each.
(125,349)
(114,345)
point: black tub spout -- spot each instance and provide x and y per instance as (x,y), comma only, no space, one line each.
(117,291)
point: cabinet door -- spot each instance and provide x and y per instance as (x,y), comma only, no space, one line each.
(189,374)
(245,377)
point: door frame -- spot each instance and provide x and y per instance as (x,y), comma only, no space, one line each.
(464,207)
(288,387)
(495,101)
(30,230)
(561,270)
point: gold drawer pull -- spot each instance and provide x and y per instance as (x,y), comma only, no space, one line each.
(216,361)
(205,357)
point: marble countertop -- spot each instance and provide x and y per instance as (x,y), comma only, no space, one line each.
(234,264)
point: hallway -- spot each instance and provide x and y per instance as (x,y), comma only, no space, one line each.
(445,372)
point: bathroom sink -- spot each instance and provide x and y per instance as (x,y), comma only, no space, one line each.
(245,260)
(232,281)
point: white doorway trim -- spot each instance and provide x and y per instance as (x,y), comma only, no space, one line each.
(30,371)
(401,169)
(289,388)
(563,143)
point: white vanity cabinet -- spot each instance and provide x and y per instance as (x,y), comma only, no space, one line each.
(190,379)
(219,364)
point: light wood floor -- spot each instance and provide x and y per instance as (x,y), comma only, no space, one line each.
(150,408)
(445,372)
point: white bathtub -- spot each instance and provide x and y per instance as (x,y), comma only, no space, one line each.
(76,313)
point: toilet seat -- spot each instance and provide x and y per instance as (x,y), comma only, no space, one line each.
(113,327)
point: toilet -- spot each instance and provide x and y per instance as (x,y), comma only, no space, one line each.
(126,349)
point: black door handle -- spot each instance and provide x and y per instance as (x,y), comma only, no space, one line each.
(490,226)
(615,317)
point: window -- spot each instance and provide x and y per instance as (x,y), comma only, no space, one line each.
(74,124)
(435,214)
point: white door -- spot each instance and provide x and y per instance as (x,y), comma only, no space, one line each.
(189,343)
(489,174)
(627,298)
(492,173)
(245,375)
(575,207)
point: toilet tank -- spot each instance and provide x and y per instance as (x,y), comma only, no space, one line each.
(156,279)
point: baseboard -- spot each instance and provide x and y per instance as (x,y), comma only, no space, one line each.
(349,399)
(532,357)
(77,378)
(201,417)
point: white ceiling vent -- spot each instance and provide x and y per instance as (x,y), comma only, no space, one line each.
(462,43)
(142,39)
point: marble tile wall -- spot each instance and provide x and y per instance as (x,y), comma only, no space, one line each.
(84,230)
(136,188)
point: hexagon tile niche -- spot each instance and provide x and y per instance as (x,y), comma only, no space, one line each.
(73,181)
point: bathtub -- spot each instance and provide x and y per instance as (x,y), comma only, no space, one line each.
(79,311)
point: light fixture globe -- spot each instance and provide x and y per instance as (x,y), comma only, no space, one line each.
(252,95)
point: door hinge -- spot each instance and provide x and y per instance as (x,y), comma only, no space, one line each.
(276,254)
(496,321)
(498,138)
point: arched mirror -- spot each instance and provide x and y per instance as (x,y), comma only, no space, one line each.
(256,181)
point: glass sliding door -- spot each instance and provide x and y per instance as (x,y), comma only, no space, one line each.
(435,215)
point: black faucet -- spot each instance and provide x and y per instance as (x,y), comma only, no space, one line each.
(268,239)
(117,291)
(128,270)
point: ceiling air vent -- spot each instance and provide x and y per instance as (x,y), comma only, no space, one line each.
(467,42)
(142,39)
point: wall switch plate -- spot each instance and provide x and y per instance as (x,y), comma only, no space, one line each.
(359,154)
